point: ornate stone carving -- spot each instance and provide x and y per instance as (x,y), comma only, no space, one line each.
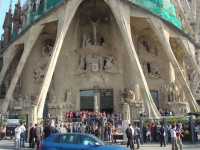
(148,45)
(108,63)
(68,99)
(87,41)
(126,112)
(95,63)
(131,97)
(173,92)
(39,73)
(47,48)
(128,96)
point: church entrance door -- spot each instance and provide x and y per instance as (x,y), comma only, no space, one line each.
(96,100)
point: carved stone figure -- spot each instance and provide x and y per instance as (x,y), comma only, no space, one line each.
(137,92)
(108,63)
(39,73)
(128,95)
(92,63)
(126,112)
(173,92)
(47,48)
(95,63)
(83,66)
(87,41)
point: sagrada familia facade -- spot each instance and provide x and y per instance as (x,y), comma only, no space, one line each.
(129,56)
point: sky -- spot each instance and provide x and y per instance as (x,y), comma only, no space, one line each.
(4,6)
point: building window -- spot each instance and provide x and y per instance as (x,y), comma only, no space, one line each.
(148,67)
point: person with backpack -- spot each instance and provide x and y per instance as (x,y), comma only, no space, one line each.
(130,134)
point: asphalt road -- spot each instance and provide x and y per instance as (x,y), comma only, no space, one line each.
(9,145)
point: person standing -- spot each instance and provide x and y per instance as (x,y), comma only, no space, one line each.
(129,134)
(179,136)
(162,136)
(137,134)
(23,135)
(47,131)
(173,137)
(17,137)
(32,136)
(38,134)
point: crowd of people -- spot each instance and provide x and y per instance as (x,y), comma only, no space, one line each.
(108,127)
(135,135)
(102,125)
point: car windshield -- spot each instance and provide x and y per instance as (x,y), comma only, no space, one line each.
(89,140)
(66,139)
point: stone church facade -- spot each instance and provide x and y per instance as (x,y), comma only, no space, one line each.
(96,55)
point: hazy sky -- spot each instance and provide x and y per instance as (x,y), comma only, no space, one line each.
(4,5)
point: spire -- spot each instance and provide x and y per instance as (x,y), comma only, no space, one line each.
(17,18)
(10,7)
(7,26)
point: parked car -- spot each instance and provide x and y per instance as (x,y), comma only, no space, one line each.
(76,141)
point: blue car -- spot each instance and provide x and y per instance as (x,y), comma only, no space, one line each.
(76,141)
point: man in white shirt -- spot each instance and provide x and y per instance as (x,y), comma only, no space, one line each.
(17,137)
(173,137)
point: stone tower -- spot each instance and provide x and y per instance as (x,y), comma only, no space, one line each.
(17,19)
(7,26)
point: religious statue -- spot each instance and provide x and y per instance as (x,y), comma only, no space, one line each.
(128,95)
(47,48)
(39,73)
(96,63)
(87,42)
(108,63)
(126,112)
(83,66)
(93,63)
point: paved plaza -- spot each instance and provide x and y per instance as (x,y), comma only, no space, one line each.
(9,145)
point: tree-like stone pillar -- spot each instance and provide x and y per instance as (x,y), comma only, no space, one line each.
(70,10)
(33,36)
(122,16)
(164,37)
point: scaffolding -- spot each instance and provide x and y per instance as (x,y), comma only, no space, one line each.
(162,8)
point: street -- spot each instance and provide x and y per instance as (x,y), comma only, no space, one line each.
(9,145)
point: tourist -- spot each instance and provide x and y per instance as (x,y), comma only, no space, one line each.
(179,136)
(137,134)
(173,137)
(162,136)
(130,134)
(38,135)
(17,137)
(23,135)
(47,130)
(148,135)
(62,129)
(32,136)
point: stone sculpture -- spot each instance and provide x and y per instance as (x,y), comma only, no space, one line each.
(47,48)
(126,112)
(39,73)
(95,63)
(108,63)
